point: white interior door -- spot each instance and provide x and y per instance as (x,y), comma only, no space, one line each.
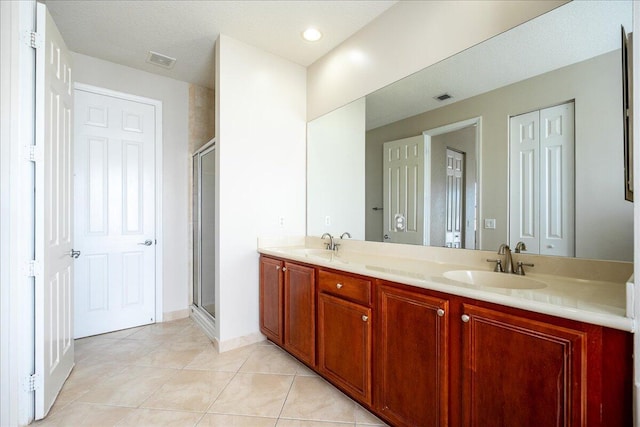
(542,206)
(524,199)
(557,188)
(54,215)
(114,170)
(455,199)
(403,189)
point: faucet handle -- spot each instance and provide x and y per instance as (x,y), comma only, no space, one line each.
(498,268)
(520,268)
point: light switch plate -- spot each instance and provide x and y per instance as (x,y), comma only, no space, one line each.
(490,223)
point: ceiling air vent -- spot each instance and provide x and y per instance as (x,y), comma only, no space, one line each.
(160,60)
(443,97)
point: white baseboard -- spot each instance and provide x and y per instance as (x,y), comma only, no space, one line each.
(175,315)
(238,342)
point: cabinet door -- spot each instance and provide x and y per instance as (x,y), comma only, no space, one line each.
(271,315)
(411,357)
(299,312)
(344,345)
(521,372)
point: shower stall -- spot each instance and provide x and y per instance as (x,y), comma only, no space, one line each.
(205,296)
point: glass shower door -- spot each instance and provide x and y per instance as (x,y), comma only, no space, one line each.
(204,179)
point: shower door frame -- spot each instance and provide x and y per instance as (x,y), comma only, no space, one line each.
(201,316)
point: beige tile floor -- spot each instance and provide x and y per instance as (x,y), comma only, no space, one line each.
(169,374)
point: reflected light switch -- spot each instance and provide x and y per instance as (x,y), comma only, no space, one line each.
(490,223)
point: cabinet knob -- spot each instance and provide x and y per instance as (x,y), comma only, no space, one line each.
(440,312)
(465,318)
(365,318)
(284,268)
(339,285)
(277,267)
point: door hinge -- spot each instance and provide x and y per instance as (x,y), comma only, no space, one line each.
(34,39)
(32,153)
(31,268)
(32,382)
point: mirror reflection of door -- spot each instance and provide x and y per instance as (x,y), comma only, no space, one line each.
(403,189)
(429,198)
(542,180)
(452,188)
(455,198)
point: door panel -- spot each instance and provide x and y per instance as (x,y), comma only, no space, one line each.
(344,344)
(521,372)
(54,352)
(412,381)
(403,189)
(557,181)
(115,213)
(271,299)
(299,312)
(455,199)
(542,181)
(524,205)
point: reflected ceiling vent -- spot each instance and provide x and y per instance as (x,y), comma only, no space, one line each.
(443,97)
(160,60)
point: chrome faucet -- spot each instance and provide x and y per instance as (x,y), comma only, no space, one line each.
(346,233)
(520,246)
(331,245)
(508,260)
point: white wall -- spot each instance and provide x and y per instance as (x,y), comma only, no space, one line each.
(261,122)
(408,37)
(336,144)
(174,95)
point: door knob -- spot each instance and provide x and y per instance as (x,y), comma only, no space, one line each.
(74,254)
(146,242)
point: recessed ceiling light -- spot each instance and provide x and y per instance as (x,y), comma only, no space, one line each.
(311,35)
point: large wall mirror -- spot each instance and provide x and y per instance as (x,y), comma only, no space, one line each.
(519,138)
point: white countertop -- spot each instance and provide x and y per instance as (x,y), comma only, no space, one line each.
(593,301)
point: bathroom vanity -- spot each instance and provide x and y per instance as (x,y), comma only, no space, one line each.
(420,349)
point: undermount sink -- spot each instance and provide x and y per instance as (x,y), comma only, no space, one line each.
(319,253)
(490,279)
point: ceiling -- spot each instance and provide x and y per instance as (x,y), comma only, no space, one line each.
(125,31)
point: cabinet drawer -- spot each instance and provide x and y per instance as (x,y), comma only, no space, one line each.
(345,286)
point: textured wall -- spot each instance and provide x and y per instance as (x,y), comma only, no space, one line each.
(201,116)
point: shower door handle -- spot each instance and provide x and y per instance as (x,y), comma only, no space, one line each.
(146,242)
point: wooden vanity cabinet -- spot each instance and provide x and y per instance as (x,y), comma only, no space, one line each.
(411,357)
(271,295)
(418,357)
(345,332)
(529,369)
(523,372)
(300,312)
(344,345)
